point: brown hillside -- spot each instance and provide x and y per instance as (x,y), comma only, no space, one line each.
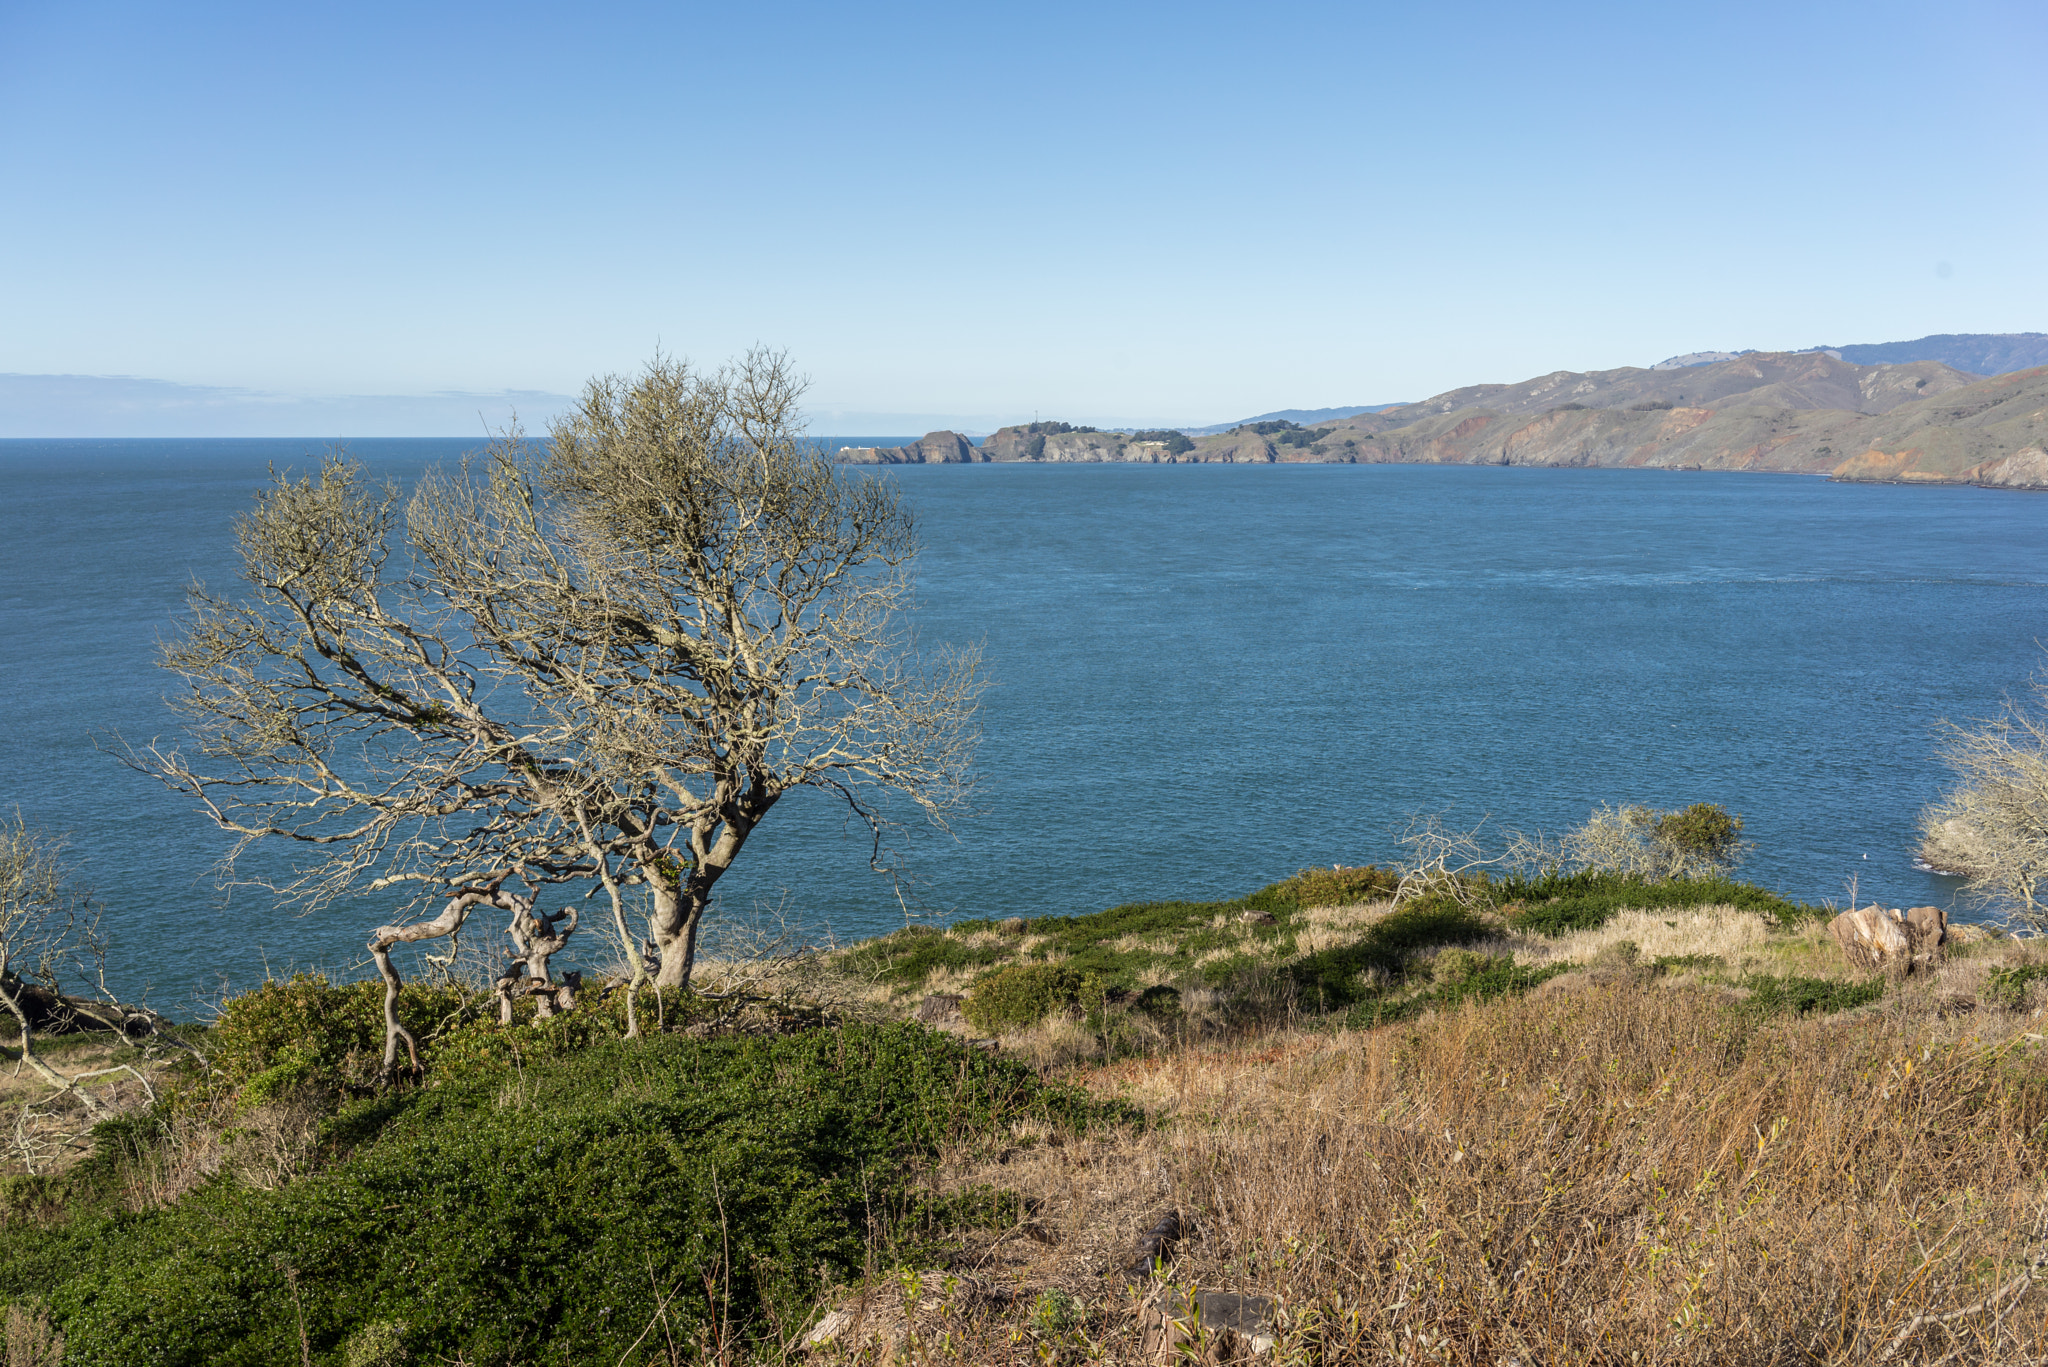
(1804,413)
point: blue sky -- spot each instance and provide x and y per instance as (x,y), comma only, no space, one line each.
(967,214)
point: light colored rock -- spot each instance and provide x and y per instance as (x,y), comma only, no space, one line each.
(1213,1328)
(829,1329)
(2026,469)
(877,1323)
(1873,939)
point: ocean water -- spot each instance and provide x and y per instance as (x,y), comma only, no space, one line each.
(1208,677)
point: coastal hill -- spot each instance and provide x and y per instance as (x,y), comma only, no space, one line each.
(1790,412)
(1979,353)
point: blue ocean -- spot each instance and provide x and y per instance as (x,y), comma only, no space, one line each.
(1208,677)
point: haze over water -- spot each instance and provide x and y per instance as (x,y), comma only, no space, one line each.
(1209,676)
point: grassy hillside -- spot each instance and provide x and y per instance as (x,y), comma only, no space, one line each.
(1804,412)
(1583,1119)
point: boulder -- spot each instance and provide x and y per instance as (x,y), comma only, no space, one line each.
(1927,932)
(1208,1327)
(1878,939)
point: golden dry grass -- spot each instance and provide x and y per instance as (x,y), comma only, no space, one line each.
(1626,1174)
(1739,938)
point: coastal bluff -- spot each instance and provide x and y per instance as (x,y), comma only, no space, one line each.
(1790,412)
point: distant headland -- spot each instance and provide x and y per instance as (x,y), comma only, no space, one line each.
(1807,412)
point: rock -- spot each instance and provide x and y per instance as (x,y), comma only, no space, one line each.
(1927,930)
(1209,1327)
(934,448)
(940,1008)
(940,448)
(2025,469)
(1154,1246)
(1874,939)
(879,1319)
(830,1329)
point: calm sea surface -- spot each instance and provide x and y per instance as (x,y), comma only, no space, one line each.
(1209,676)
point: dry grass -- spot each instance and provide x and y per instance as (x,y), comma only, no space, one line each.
(1741,939)
(1320,928)
(44,1132)
(1614,1175)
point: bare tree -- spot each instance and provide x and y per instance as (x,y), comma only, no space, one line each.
(2000,803)
(49,931)
(1443,861)
(1699,841)
(606,658)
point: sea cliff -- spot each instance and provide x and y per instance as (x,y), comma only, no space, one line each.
(1796,413)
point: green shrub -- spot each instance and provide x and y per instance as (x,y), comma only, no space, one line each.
(1332,887)
(1330,978)
(1494,976)
(1457,965)
(1559,903)
(1022,995)
(536,1214)
(1705,829)
(1161,1002)
(1808,996)
(908,957)
(2006,988)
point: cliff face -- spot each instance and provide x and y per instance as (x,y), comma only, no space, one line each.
(934,448)
(1807,413)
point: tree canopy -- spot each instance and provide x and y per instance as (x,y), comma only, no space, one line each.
(605,657)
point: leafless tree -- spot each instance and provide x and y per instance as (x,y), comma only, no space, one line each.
(1442,861)
(49,933)
(605,658)
(1699,841)
(2001,802)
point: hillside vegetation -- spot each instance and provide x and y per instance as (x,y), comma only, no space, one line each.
(1557,1118)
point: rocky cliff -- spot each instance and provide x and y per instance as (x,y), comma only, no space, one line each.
(1806,412)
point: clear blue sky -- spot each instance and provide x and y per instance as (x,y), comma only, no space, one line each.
(1104,212)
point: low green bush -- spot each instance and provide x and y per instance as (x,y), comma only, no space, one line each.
(539,1213)
(1799,996)
(1332,887)
(1558,903)
(1161,1002)
(1022,995)
(1331,978)
(908,957)
(1493,977)
(2006,988)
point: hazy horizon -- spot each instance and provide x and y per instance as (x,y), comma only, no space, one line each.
(1120,214)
